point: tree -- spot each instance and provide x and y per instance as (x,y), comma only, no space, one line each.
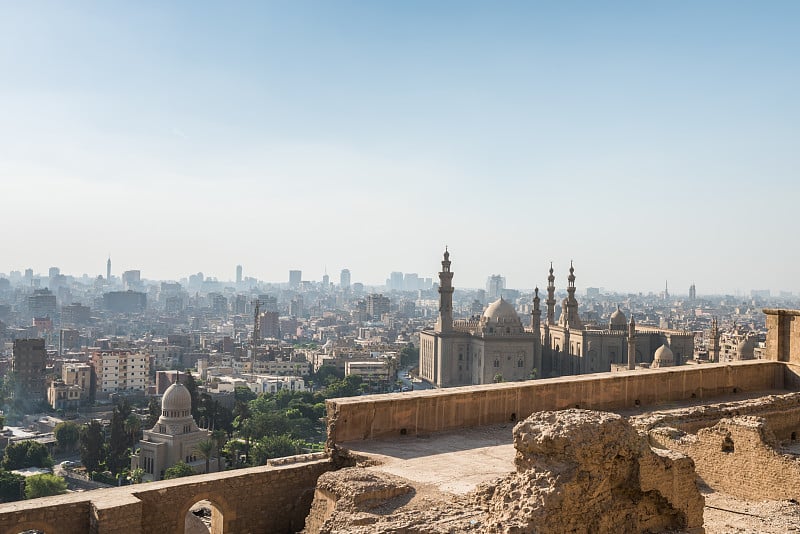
(153,413)
(498,378)
(205,450)
(44,485)
(92,445)
(133,426)
(119,441)
(181,469)
(28,453)
(12,486)
(67,434)
(191,385)
(136,475)
(274,447)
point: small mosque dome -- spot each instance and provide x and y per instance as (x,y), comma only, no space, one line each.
(663,357)
(501,311)
(618,318)
(745,349)
(177,399)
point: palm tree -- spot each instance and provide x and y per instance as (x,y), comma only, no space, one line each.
(132,426)
(205,449)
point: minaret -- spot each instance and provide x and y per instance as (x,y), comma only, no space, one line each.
(551,297)
(713,351)
(573,319)
(536,319)
(108,269)
(632,343)
(445,321)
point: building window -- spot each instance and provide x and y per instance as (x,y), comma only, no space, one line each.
(496,362)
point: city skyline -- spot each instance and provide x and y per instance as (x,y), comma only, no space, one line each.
(644,142)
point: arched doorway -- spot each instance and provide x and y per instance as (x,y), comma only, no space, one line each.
(203,514)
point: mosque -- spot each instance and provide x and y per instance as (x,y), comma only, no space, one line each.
(174,437)
(497,347)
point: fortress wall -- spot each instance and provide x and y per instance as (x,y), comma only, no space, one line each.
(257,499)
(423,412)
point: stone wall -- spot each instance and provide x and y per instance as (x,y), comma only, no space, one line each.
(423,412)
(258,499)
(783,335)
(737,456)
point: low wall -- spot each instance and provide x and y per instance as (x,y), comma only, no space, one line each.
(258,499)
(423,412)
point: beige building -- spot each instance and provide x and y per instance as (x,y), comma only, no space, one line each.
(496,346)
(479,350)
(120,370)
(174,438)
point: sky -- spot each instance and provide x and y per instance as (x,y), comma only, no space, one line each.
(646,141)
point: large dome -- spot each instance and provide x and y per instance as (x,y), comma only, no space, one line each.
(177,402)
(501,311)
(618,318)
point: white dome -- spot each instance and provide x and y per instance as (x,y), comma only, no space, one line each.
(501,311)
(663,357)
(176,400)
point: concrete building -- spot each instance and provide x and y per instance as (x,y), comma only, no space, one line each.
(295,277)
(174,437)
(29,365)
(120,370)
(344,279)
(125,301)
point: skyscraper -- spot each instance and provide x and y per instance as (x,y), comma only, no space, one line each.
(294,279)
(344,279)
(238,274)
(108,269)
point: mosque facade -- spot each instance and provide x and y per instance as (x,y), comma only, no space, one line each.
(497,347)
(174,437)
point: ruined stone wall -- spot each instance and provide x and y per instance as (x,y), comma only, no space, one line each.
(423,412)
(258,499)
(737,456)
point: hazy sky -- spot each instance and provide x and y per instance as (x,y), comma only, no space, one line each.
(648,141)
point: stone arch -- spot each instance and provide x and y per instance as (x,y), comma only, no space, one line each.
(42,526)
(219,505)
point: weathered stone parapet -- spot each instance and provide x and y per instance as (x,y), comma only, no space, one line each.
(581,471)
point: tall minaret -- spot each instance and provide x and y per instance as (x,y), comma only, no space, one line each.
(108,269)
(713,351)
(445,321)
(536,319)
(551,297)
(632,343)
(573,319)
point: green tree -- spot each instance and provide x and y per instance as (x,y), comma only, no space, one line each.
(136,475)
(67,434)
(274,447)
(181,469)
(153,413)
(44,485)
(28,453)
(409,355)
(119,440)
(133,427)
(243,394)
(92,445)
(498,378)
(12,486)
(191,385)
(205,449)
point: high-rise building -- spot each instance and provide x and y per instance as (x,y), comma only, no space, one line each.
(395,281)
(495,285)
(344,279)
(53,272)
(238,274)
(108,269)
(377,305)
(295,277)
(132,279)
(42,303)
(29,363)
(692,292)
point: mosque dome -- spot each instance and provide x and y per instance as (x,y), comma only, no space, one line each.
(663,357)
(745,349)
(501,311)
(177,401)
(618,318)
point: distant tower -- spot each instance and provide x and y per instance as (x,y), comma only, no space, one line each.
(256,325)
(569,313)
(238,274)
(551,297)
(445,321)
(692,293)
(108,269)
(713,349)
(536,320)
(344,279)
(666,290)
(632,343)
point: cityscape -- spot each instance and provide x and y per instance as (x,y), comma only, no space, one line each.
(352,267)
